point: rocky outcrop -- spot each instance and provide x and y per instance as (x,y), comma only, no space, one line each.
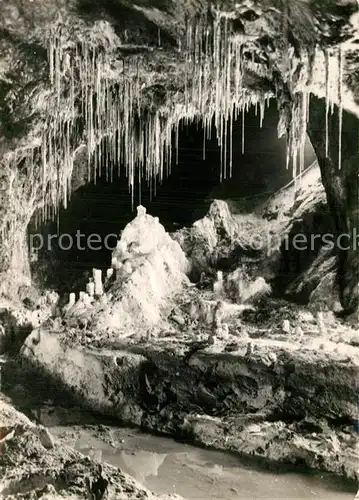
(282,400)
(34,465)
(339,169)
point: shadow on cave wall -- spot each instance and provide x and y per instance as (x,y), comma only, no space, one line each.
(182,198)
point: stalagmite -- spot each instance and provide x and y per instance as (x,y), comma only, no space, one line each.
(141,211)
(72,300)
(218,285)
(97,277)
(111,106)
(87,299)
(90,288)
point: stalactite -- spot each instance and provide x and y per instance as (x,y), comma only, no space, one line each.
(262,110)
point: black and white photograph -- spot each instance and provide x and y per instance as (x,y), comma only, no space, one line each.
(179,249)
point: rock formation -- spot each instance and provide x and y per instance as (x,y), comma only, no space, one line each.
(33,463)
(91,89)
(95,87)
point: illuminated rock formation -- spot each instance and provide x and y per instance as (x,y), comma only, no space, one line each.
(92,93)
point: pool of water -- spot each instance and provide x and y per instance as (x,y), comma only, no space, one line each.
(166,466)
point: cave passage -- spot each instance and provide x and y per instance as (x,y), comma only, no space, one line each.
(182,198)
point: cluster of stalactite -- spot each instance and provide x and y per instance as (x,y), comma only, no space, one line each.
(98,105)
(116,130)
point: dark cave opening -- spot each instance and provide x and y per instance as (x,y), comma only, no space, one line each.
(104,208)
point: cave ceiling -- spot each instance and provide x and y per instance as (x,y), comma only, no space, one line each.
(76,73)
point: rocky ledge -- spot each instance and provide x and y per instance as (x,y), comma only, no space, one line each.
(34,466)
(279,397)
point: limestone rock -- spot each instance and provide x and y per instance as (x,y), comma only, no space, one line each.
(325,295)
(219,236)
(286,326)
(45,437)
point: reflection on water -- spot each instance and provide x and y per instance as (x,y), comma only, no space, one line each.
(165,466)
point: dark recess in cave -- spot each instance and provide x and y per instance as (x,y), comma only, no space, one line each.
(185,196)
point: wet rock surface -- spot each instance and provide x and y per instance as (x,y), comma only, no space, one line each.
(30,468)
(262,396)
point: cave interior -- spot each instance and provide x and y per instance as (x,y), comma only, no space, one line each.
(181,133)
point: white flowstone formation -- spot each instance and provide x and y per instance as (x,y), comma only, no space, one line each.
(150,267)
(109,273)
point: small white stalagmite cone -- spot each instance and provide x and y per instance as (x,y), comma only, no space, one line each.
(109,273)
(97,277)
(141,211)
(286,326)
(90,288)
(72,300)
(82,296)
